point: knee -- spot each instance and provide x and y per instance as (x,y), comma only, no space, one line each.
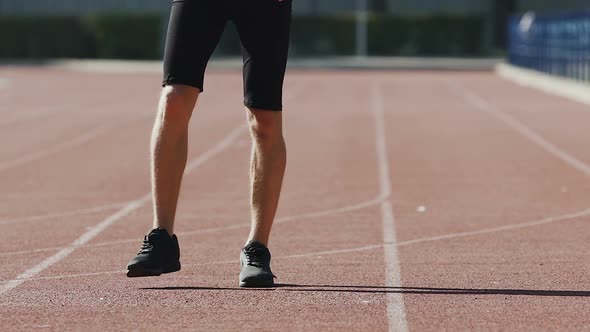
(265,126)
(177,103)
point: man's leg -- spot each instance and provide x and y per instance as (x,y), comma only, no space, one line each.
(269,158)
(264,28)
(169,147)
(160,252)
(193,33)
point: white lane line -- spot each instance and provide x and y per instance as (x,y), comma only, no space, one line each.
(54,149)
(31,251)
(306,255)
(486,107)
(27,115)
(63,214)
(396,311)
(130,207)
(286,219)
(223,145)
(70,143)
(311,254)
(512,227)
(65,252)
(324,213)
(4,83)
(333,252)
(550,84)
(80,275)
(548,220)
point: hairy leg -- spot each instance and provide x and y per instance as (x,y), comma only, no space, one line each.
(269,158)
(169,147)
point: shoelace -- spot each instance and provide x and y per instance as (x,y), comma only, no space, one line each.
(147,246)
(254,257)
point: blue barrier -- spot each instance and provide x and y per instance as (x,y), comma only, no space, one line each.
(557,44)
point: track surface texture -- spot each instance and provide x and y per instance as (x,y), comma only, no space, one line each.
(419,201)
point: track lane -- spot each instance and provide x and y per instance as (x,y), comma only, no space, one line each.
(452,268)
(471,171)
(211,191)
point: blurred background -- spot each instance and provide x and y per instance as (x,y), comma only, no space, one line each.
(135,29)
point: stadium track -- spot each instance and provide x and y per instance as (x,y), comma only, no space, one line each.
(413,200)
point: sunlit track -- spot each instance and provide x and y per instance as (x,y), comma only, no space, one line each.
(4,83)
(63,146)
(549,220)
(280,220)
(419,190)
(128,208)
(44,217)
(225,143)
(487,107)
(571,217)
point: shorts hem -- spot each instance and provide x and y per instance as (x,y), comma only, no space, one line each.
(264,107)
(170,81)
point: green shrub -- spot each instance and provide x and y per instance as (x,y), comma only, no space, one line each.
(388,35)
(309,36)
(139,36)
(126,36)
(449,35)
(323,35)
(45,37)
(429,35)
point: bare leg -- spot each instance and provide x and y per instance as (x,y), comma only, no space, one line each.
(269,158)
(169,147)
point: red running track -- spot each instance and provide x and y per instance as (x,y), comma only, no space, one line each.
(413,201)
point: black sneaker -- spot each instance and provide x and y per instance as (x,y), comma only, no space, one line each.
(255,263)
(159,254)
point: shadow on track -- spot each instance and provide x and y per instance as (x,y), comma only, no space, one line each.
(192,288)
(387,290)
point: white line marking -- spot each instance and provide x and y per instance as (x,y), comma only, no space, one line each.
(217,149)
(306,255)
(70,143)
(344,209)
(189,167)
(349,208)
(548,220)
(396,312)
(32,251)
(311,215)
(540,222)
(63,214)
(130,207)
(54,149)
(65,252)
(4,83)
(333,252)
(550,84)
(27,115)
(81,275)
(486,107)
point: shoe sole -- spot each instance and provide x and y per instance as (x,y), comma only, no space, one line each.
(257,284)
(138,271)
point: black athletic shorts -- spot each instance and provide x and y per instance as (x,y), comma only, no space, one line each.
(263,26)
